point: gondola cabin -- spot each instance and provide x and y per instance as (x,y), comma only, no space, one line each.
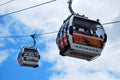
(81,38)
(29,56)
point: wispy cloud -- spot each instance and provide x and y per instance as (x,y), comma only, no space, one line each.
(3,56)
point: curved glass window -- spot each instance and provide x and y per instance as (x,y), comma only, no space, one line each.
(88,27)
(100,31)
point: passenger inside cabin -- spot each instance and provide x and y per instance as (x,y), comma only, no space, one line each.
(94,34)
(87,31)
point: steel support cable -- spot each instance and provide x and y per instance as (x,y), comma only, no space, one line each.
(52,32)
(27,8)
(6,2)
(17,36)
(70,7)
(111,22)
(34,41)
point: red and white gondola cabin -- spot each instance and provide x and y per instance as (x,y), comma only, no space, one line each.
(29,56)
(81,37)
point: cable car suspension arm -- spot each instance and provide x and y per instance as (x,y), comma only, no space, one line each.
(70,7)
(33,37)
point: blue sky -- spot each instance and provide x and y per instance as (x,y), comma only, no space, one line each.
(10,69)
(49,18)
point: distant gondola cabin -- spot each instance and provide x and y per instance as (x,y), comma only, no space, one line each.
(29,56)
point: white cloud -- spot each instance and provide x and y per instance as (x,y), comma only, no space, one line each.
(84,76)
(50,16)
(51,55)
(111,56)
(105,10)
(75,69)
(3,56)
(43,17)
